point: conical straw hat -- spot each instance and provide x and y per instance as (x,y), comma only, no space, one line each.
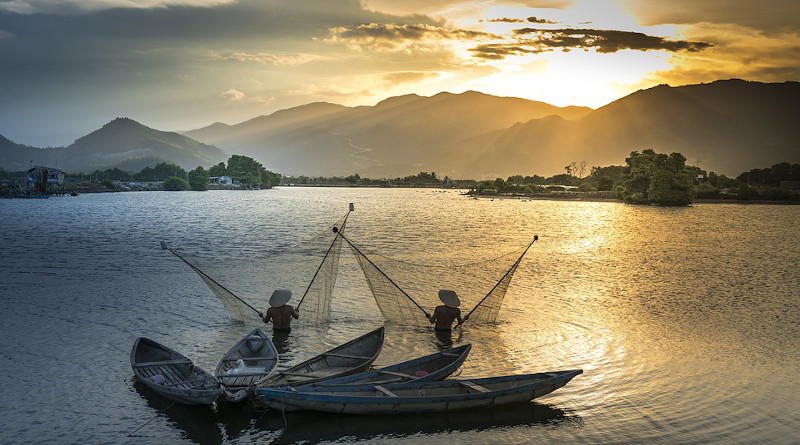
(280,297)
(449,298)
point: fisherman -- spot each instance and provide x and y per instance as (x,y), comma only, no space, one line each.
(279,312)
(445,314)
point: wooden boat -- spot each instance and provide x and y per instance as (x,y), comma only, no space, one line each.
(432,367)
(349,358)
(172,375)
(419,397)
(251,360)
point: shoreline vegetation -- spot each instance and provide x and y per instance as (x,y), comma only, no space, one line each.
(648,178)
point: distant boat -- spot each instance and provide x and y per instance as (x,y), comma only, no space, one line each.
(431,367)
(29,196)
(349,358)
(251,360)
(416,398)
(172,375)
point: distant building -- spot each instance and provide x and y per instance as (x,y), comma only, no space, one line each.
(222,180)
(43,179)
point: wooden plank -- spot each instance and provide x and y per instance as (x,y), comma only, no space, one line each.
(335,354)
(163,362)
(474,386)
(299,374)
(398,374)
(247,359)
(384,390)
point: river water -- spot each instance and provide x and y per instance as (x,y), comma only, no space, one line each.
(685,321)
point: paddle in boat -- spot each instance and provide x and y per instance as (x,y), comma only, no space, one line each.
(418,397)
(172,375)
(431,367)
(349,358)
(251,360)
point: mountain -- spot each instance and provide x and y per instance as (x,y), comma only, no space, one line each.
(16,157)
(122,143)
(728,126)
(391,138)
(725,126)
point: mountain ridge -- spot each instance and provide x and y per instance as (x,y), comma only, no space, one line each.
(726,126)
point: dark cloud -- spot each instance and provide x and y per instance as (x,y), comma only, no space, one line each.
(605,41)
(541,21)
(395,34)
(499,51)
(503,20)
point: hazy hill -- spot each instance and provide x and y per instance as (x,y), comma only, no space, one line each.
(122,143)
(388,139)
(726,126)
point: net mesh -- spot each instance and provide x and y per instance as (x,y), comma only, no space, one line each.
(307,268)
(405,291)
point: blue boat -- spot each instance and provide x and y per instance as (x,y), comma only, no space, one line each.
(437,366)
(416,398)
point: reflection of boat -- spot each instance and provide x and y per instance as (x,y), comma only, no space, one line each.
(197,423)
(316,427)
(171,374)
(251,360)
(420,397)
(428,368)
(349,358)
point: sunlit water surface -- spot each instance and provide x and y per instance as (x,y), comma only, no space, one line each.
(686,321)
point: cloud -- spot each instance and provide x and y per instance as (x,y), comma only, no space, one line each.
(271,58)
(541,21)
(499,51)
(84,6)
(771,17)
(604,41)
(233,95)
(391,37)
(503,20)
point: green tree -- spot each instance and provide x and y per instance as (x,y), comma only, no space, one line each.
(218,170)
(656,178)
(198,179)
(174,183)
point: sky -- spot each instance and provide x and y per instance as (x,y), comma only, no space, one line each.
(67,67)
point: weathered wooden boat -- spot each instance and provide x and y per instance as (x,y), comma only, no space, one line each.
(252,359)
(418,397)
(172,375)
(349,358)
(431,367)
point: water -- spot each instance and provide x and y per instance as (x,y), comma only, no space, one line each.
(686,321)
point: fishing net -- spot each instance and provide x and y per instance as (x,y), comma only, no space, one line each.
(405,290)
(244,282)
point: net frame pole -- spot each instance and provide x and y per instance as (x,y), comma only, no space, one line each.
(384,275)
(164,246)
(516,263)
(321,263)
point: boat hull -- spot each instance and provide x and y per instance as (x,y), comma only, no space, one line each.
(418,398)
(431,367)
(171,375)
(259,357)
(350,358)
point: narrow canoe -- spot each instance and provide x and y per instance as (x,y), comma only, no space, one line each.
(251,360)
(349,358)
(170,374)
(432,367)
(420,397)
